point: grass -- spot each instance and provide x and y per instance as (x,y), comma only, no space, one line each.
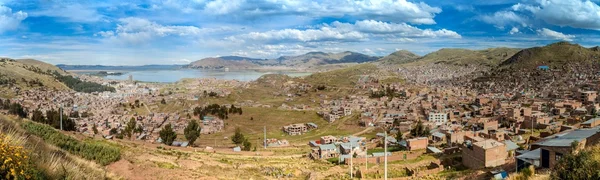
(379,150)
(53,162)
(274,120)
(165,165)
(16,70)
(97,151)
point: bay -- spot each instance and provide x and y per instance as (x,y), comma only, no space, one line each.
(169,76)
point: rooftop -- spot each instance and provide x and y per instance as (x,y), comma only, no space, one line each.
(565,139)
(591,121)
(488,143)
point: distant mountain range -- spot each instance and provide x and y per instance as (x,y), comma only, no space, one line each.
(307,60)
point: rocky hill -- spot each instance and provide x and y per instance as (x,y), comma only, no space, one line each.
(219,63)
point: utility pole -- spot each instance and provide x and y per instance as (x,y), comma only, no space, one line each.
(265,137)
(385,154)
(351,154)
(366,157)
(61,113)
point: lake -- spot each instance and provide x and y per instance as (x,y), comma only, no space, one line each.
(168,76)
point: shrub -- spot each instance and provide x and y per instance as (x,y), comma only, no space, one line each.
(97,151)
(15,162)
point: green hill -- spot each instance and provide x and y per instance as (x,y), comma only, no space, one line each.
(553,55)
(26,74)
(398,57)
(487,57)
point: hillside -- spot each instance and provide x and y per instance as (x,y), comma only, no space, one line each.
(553,55)
(568,66)
(398,57)
(218,63)
(27,74)
(488,57)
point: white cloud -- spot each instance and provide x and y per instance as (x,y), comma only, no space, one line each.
(9,20)
(387,10)
(338,31)
(501,19)
(514,30)
(555,35)
(574,13)
(71,12)
(221,7)
(137,30)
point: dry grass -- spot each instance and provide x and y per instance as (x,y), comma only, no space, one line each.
(54,162)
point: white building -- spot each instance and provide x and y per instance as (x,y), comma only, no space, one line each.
(438,118)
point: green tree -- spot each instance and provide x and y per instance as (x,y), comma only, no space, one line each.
(131,125)
(247,145)
(192,131)
(38,116)
(94,128)
(399,136)
(167,134)
(581,165)
(238,138)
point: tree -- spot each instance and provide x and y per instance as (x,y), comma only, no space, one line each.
(38,116)
(192,131)
(399,136)
(238,138)
(113,131)
(582,165)
(95,129)
(138,130)
(131,125)
(163,101)
(167,134)
(247,145)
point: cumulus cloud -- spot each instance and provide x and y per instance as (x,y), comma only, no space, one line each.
(338,31)
(555,35)
(387,10)
(501,19)
(138,30)
(9,20)
(574,13)
(514,30)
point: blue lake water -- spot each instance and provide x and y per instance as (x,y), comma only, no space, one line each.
(168,76)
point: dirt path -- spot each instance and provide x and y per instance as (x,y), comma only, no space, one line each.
(369,129)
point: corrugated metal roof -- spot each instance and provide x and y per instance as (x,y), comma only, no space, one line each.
(533,155)
(510,145)
(565,139)
(434,149)
(591,121)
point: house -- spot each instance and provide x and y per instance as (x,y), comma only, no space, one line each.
(554,147)
(295,129)
(328,139)
(484,154)
(417,143)
(590,123)
(528,158)
(588,96)
(328,151)
(438,118)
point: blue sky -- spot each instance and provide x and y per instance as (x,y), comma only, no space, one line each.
(139,32)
